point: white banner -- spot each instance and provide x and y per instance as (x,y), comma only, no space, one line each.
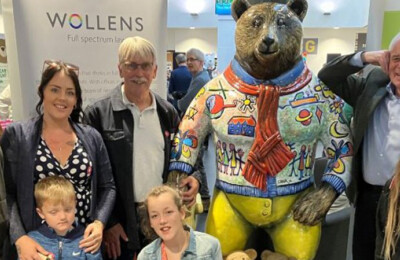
(85,33)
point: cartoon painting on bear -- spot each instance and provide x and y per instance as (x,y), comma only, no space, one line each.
(266,113)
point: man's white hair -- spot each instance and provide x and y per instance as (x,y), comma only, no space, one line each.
(394,41)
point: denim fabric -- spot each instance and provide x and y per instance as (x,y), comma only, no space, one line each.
(201,246)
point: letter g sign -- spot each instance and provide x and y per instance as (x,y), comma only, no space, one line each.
(310,45)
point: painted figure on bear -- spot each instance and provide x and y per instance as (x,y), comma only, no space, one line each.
(266,113)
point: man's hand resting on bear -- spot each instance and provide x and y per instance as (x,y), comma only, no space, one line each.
(188,185)
(313,206)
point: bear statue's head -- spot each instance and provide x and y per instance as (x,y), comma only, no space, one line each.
(268,35)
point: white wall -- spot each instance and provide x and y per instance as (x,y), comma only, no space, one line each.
(330,41)
(1,23)
(344,13)
(179,13)
(226,41)
(376,13)
(1,20)
(183,39)
(393,5)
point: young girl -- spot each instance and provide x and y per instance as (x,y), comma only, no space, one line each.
(388,220)
(165,215)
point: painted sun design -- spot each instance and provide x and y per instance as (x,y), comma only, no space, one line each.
(248,103)
(336,107)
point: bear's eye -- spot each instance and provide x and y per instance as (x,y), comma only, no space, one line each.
(257,22)
(280,22)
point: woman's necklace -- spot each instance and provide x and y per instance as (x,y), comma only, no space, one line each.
(60,148)
(56,145)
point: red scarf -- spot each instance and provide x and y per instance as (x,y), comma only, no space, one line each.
(268,154)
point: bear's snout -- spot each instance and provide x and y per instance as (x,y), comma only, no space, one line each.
(268,45)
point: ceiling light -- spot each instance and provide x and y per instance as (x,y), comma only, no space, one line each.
(327,7)
(195,6)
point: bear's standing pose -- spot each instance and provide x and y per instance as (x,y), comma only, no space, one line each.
(268,105)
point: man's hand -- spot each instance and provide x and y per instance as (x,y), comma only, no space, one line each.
(379,58)
(189,196)
(111,240)
(29,249)
(92,237)
(312,208)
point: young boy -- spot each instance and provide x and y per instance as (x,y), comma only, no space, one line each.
(59,234)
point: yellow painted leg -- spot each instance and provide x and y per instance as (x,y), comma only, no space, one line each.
(294,239)
(224,223)
(197,208)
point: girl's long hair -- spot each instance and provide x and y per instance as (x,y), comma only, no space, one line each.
(392,228)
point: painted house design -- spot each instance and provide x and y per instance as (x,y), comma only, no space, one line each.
(242,125)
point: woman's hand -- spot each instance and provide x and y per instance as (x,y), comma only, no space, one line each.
(28,249)
(92,237)
(112,238)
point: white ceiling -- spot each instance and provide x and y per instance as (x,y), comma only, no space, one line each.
(344,13)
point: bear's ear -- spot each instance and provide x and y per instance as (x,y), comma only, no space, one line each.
(238,8)
(299,7)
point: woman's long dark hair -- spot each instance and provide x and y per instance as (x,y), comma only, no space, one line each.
(48,74)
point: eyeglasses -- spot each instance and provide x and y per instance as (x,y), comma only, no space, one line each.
(58,63)
(191,59)
(146,66)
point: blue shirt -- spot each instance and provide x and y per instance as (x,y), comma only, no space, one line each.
(201,246)
(198,81)
(381,145)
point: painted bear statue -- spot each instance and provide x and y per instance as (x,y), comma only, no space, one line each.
(266,112)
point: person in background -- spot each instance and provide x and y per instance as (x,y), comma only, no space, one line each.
(54,143)
(376,103)
(200,77)
(179,81)
(195,60)
(164,219)
(59,234)
(137,126)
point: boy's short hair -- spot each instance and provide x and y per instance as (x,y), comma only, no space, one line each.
(54,188)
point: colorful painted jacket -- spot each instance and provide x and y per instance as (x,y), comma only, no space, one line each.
(272,153)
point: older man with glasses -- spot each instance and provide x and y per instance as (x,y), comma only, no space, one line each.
(136,125)
(200,77)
